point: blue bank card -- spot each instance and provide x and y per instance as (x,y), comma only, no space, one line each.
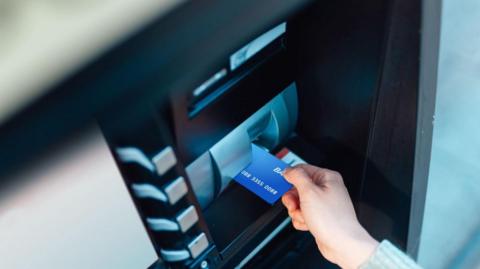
(263,176)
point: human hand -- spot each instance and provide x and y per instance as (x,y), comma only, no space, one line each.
(319,203)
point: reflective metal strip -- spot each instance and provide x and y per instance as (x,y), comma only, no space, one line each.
(264,243)
(174,255)
(134,155)
(162,225)
(148,191)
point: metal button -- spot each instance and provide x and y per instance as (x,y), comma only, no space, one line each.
(174,255)
(176,190)
(164,160)
(159,224)
(198,245)
(204,265)
(195,248)
(134,155)
(187,218)
(184,221)
(148,191)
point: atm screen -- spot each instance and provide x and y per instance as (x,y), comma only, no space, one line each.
(239,65)
(244,207)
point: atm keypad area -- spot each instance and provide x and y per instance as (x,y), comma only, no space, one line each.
(234,229)
(181,183)
(291,86)
(195,214)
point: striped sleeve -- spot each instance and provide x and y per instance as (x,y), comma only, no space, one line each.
(387,256)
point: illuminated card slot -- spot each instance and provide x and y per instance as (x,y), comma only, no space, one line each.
(209,82)
(252,48)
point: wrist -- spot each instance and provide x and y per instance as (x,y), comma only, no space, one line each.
(359,248)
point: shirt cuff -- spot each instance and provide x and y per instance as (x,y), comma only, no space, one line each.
(388,256)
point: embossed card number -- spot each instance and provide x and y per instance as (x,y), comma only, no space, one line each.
(263,176)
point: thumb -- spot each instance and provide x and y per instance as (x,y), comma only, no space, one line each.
(299,178)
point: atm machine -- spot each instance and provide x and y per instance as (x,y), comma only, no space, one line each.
(346,85)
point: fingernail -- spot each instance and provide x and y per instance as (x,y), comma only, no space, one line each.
(285,170)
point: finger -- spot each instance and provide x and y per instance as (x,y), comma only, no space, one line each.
(297,216)
(311,169)
(317,174)
(299,226)
(294,192)
(290,201)
(299,178)
(320,176)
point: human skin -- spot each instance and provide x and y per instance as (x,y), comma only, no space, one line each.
(319,203)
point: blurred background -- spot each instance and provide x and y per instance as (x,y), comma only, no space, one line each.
(75,212)
(452,210)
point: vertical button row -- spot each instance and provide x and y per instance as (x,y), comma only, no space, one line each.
(169,195)
(161,163)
